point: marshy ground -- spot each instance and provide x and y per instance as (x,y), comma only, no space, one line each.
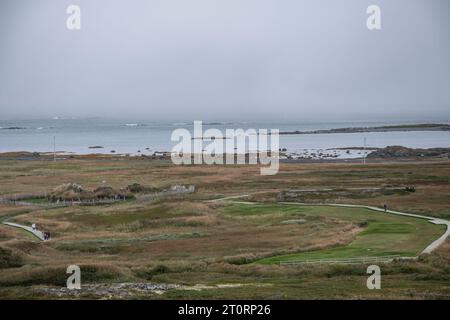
(199,249)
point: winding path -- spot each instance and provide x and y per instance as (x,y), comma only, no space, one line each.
(228,198)
(435,244)
(433,220)
(36,233)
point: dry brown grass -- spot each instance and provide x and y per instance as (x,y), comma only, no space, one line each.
(118,239)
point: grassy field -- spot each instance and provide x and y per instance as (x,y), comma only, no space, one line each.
(381,234)
(225,249)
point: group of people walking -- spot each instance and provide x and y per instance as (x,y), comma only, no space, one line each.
(46,234)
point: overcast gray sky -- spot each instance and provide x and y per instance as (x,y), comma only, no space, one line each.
(225,59)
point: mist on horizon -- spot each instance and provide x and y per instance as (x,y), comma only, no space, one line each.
(226,60)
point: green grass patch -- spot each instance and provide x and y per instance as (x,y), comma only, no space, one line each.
(114,245)
(114,218)
(383,234)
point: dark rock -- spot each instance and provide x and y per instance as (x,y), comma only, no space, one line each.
(403,152)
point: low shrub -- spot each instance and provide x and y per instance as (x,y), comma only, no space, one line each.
(57,276)
(363,224)
(8,259)
(148,274)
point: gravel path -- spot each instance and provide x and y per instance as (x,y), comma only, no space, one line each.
(435,244)
(433,220)
(36,233)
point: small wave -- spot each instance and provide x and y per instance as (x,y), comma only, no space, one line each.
(134,125)
(224,123)
(213,123)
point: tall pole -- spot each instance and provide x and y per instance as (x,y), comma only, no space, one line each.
(364,148)
(54,148)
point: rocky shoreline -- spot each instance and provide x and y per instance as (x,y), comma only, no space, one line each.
(343,154)
(403,127)
(403,152)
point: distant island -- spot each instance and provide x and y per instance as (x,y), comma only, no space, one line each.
(403,127)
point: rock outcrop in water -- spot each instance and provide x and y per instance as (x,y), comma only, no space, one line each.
(393,128)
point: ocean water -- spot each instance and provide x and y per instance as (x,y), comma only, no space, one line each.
(129,137)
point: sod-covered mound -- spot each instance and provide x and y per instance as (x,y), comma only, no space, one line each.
(70,191)
(75,192)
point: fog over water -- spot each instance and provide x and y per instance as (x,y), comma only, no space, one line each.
(252,60)
(77,135)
